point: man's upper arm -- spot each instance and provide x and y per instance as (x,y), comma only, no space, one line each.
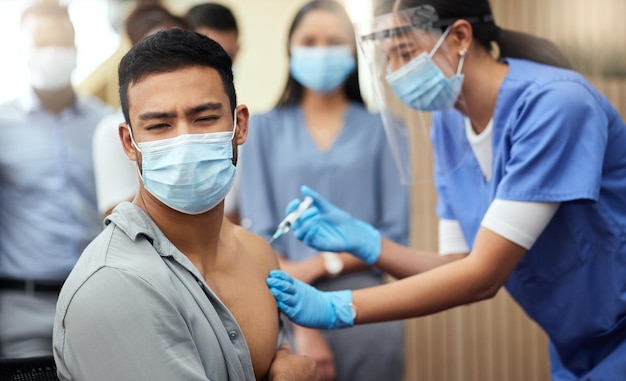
(118,326)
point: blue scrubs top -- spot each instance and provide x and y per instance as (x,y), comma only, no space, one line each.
(555,139)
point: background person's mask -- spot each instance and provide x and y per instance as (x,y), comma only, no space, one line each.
(322,69)
(51,67)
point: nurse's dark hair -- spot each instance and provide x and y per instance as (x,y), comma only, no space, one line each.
(292,93)
(511,44)
(171,50)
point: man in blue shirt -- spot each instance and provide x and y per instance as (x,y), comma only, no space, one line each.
(47,194)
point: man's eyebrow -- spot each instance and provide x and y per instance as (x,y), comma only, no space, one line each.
(205,107)
(156,115)
(168,115)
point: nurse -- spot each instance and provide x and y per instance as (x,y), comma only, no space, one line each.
(530,171)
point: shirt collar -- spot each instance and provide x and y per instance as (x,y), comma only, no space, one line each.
(133,221)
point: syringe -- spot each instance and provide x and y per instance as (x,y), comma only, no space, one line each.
(285,224)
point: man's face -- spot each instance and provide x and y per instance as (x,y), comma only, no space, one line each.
(226,39)
(190,100)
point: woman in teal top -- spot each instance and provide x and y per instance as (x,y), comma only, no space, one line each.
(320,134)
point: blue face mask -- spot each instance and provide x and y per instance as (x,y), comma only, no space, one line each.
(421,85)
(189,173)
(322,69)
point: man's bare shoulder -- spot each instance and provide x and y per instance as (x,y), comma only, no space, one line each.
(254,246)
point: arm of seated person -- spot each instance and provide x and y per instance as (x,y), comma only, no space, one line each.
(288,366)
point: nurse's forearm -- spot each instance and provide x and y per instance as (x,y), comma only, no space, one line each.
(476,277)
(427,293)
(400,261)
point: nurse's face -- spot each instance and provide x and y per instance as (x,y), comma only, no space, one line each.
(402,48)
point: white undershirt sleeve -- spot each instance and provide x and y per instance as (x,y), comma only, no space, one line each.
(451,239)
(520,222)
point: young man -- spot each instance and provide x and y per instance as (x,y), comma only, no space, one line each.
(47,194)
(171,290)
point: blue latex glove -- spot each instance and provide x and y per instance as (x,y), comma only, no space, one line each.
(327,228)
(309,307)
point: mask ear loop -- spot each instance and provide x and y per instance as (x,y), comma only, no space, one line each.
(132,139)
(441,40)
(462,54)
(234,124)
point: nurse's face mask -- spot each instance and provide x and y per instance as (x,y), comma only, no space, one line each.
(421,84)
(189,173)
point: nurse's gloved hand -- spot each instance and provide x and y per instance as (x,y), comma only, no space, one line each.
(309,307)
(327,228)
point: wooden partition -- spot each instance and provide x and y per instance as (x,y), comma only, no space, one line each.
(494,340)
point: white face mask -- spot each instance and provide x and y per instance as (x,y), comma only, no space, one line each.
(51,67)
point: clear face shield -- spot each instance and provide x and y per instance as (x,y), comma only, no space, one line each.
(413,73)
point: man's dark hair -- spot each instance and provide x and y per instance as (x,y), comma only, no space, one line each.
(211,15)
(170,50)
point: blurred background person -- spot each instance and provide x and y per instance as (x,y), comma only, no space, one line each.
(321,134)
(218,22)
(48,208)
(116,175)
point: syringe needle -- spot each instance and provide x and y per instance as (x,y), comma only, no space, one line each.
(285,224)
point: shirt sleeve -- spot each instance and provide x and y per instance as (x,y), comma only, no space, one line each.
(102,340)
(519,222)
(557,145)
(255,194)
(115,174)
(451,239)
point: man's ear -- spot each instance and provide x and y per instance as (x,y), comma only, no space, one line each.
(127,143)
(243,114)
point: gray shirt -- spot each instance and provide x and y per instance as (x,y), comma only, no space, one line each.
(135,308)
